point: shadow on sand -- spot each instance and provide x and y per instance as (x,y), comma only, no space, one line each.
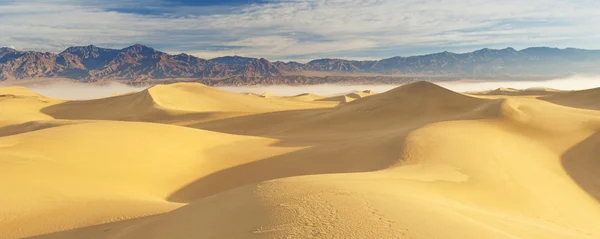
(100,231)
(582,163)
(360,143)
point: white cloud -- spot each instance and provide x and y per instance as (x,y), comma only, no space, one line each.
(214,54)
(301,29)
(274,45)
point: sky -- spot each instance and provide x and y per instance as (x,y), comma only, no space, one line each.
(300,30)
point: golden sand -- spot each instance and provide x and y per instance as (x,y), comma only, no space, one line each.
(190,161)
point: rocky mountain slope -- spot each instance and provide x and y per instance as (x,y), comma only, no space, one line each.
(537,61)
(139,62)
(132,63)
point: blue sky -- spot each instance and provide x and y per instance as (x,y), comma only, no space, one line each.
(300,29)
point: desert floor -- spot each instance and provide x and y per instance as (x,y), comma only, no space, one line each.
(190,161)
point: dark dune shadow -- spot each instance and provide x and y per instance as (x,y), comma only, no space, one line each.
(324,158)
(130,107)
(25,127)
(279,123)
(126,111)
(583,99)
(101,231)
(187,118)
(360,144)
(582,163)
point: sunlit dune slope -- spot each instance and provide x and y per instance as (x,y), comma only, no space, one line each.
(18,104)
(197,97)
(106,171)
(413,101)
(18,91)
(416,162)
(586,99)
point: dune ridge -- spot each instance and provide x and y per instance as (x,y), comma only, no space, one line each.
(419,161)
(172,103)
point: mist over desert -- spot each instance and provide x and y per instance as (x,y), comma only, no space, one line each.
(72,90)
(563,83)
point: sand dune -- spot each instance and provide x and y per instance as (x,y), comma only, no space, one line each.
(348,97)
(20,105)
(416,162)
(126,176)
(307,97)
(586,99)
(172,103)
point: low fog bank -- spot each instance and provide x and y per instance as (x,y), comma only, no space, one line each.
(82,91)
(570,83)
(69,90)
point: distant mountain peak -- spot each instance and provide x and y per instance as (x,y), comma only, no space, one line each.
(80,48)
(484,50)
(138,47)
(7,49)
(541,48)
(240,60)
(233,57)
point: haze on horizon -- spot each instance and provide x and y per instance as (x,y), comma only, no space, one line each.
(300,30)
(72,90)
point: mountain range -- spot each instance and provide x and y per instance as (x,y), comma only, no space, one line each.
(139,63)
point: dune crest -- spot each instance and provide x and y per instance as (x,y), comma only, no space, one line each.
(190,161)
